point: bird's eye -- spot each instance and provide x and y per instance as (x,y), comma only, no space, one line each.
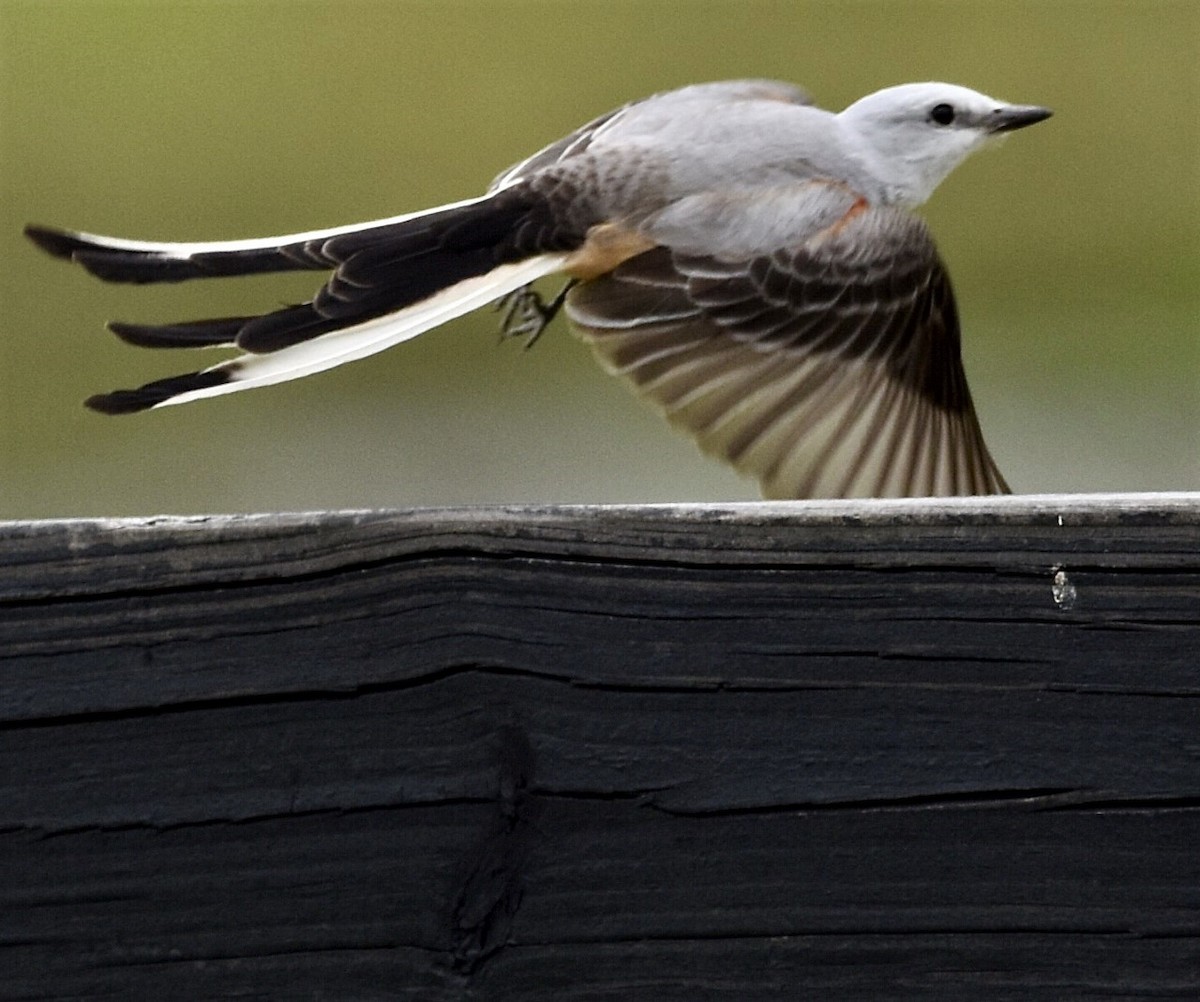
(943,114)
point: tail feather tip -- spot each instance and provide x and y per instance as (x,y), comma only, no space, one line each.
(57,243)
(161,391)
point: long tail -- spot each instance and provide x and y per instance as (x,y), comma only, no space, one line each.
(142,261)
(392,280)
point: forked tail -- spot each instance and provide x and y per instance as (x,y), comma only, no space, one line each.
(392,280)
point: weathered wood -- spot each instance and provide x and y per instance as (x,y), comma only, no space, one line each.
(938,749)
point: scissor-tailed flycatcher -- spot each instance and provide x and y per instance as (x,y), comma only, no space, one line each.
(745,260)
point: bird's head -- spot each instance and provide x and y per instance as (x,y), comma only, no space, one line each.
(916,134)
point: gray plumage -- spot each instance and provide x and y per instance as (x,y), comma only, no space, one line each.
(748,262)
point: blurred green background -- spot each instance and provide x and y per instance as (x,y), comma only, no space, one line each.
(1075,249)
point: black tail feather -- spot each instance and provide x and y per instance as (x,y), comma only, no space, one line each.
(121,264)
(145,397)
(380,269)
(56,243)
(195,334)
(258,335)
(284,328)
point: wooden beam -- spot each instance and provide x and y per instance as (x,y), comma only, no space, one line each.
(790,750)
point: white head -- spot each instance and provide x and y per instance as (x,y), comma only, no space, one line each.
(915,134)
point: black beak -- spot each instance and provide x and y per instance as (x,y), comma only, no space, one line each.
(1016,116)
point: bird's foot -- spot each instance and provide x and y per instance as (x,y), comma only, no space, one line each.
(526,314)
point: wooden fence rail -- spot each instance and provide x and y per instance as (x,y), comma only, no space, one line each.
(879,750)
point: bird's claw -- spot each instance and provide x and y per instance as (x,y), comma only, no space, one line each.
(526,314)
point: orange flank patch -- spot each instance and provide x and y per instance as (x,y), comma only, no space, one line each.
(858,208)
(606,246)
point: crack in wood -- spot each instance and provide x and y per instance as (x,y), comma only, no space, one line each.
(485,908)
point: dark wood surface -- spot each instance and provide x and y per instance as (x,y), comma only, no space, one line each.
(864,750)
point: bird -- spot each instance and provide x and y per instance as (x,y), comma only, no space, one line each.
(750,263)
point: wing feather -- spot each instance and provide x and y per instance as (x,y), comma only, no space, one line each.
(828,368)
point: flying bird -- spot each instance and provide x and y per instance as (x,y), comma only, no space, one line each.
(748,262)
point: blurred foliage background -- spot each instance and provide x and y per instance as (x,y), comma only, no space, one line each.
(1075,249)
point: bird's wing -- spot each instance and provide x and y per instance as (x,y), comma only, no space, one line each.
(830,368)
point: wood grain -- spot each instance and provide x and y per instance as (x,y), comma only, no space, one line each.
(909,749)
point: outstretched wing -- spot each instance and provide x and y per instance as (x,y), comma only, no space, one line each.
(828,369)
